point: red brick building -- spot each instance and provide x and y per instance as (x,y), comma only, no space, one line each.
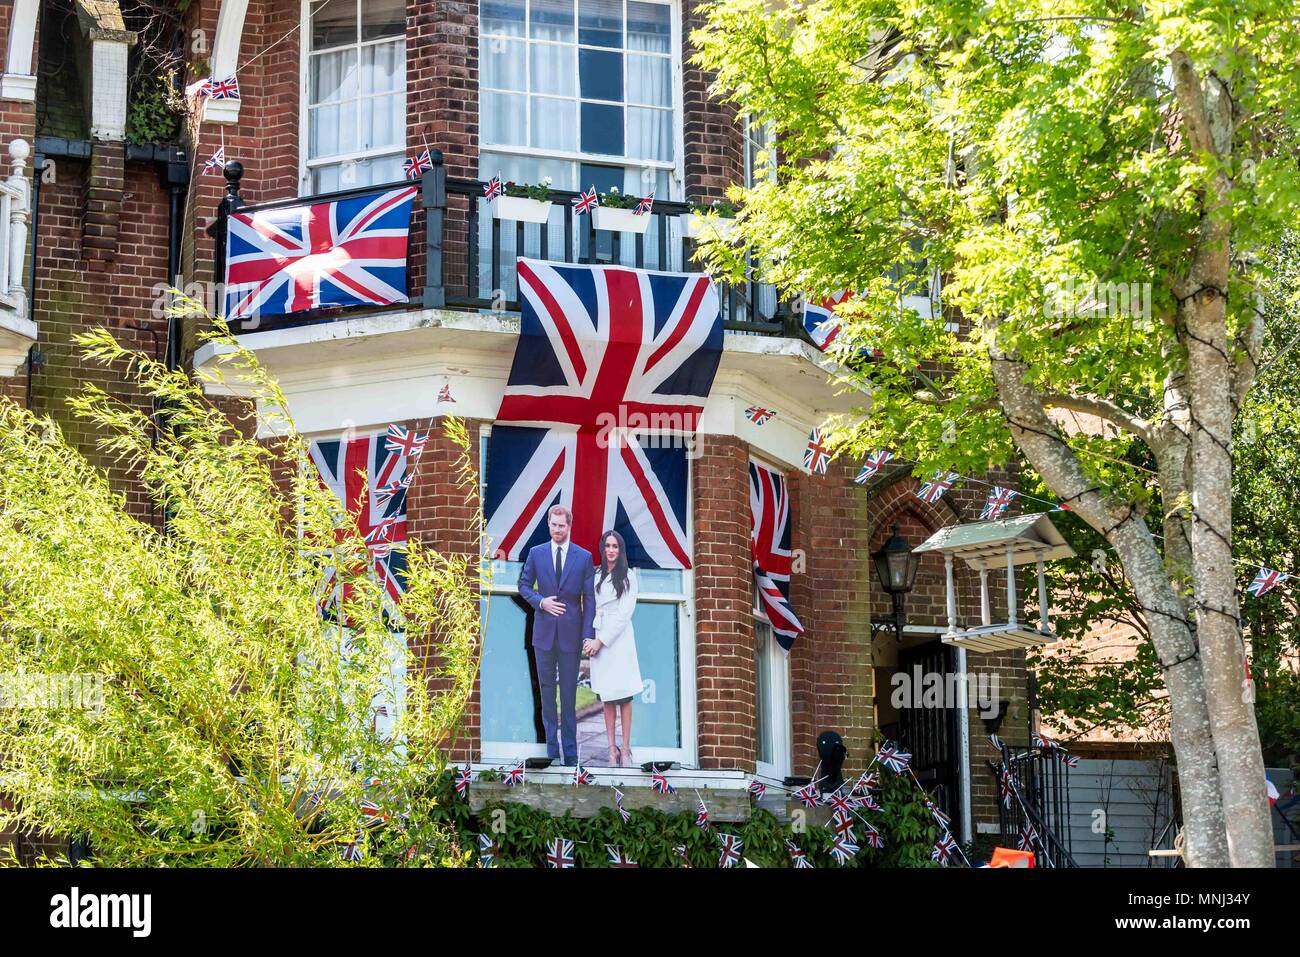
(333,97)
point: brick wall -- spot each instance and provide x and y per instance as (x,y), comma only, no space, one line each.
(714,137)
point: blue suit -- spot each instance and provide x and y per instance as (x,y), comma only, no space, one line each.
(557,639)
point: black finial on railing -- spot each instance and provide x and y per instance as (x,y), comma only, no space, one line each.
(234,172)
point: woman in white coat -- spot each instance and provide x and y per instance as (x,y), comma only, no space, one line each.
(615,674)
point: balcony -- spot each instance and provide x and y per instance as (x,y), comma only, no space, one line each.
(17,330)
(461,257)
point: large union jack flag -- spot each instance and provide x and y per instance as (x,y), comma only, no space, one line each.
(345,252)
(357,470)
(610,376)
(769,545)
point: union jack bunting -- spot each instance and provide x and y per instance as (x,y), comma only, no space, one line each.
(660,785)
(487,851)
(582,776)
(995,741)
(873,464)
(215,163)
(644,205)
(866,780)
(623,812)
(407,442)
(868,801)
(605,355)
(372,814)
(559,853)
(816,457)
(1265,580)
(385,493)
(227,89)
(617,858)
(444,394)
(1028,837)
(943,820)
(464,776)
(892,757)
(494,188)
(842,804)
(758,789)
(808,795)
(943,848)
(515,776)
(680,851)
(798,856)
(585,202)
(820,321)
(997,502)
(200,88)
(414,166)
(339,253)
(842,825)
(1007,790)
(348,469)
(873,838)
(352,849)
(933,490)
(843,851)
(769,548)
(702,816)
(731,847)
(759,415)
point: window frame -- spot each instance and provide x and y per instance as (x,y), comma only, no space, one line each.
(676,166)
(307,166)
(506,752)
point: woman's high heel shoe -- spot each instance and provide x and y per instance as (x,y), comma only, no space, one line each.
(627,757)
(615,757)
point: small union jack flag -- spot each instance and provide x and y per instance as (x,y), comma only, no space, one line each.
(893,758)
(873,464)
(352,849)
(798,856)
(385,493)
(842,824)
(487,851)
(759,415)
(1004,778)
(406,442)
(582,776)
(869,802)
(623,812)
(1028,837)
(933,490)
(515,776)
(372,814)
(843,851)
(644,205)
(414,166)
(731,847)
(585,202)
(1266,579)
(808,795)
(444,394)
(660,784)
(617,858)
(758,789)
(227,89)
(702,816)
(943,849)
(943,820)
(215,163)
(873,838)
(559,854)
(866,780)
(843,804)
(494,188)
(680,851)
(998,501)
(816,457)
(463,778)
(995,741)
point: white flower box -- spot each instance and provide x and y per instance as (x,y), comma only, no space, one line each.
(709,227)
(620,220)
(521,209)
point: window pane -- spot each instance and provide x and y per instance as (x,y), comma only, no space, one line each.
(386,169)
(509,709)
(502,16)
(502,120)
(552,20)
(554,123)
(333,76)
(660,580)
(602,129)
(552,68)
(386,121)
(649,80)
(600,75)
(333,130)
(649,134)
(649,27)
(600,22)
(325,179)
(383,18)
(503,64)
(763,689)
(383,68)
(334,23)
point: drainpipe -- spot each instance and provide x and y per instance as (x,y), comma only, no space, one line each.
(963,716)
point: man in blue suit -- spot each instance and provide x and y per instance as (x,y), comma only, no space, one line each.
(559,581)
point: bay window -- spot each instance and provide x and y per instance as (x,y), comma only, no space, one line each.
(354,88)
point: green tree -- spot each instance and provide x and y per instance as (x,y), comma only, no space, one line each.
(175,696)
(1094,181)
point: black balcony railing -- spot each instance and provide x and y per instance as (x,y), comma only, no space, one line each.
(465,257)
(1039,805)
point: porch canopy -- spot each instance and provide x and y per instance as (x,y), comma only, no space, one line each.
(1010,542)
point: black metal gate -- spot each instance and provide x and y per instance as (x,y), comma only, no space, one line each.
(930,733)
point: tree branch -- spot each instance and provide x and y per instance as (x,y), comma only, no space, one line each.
(1103,409)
